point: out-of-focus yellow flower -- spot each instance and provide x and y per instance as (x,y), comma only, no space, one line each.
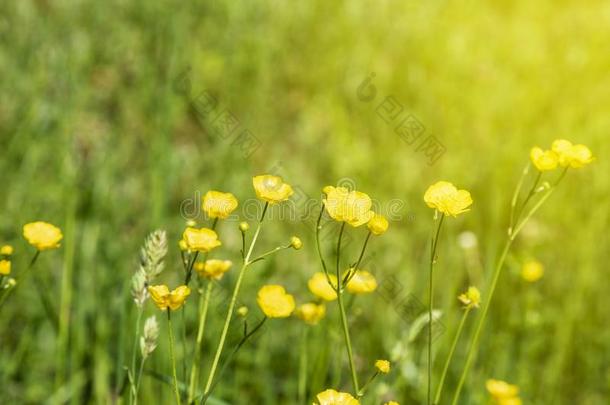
(509,401)
(311,313)
(575,156)
(213,268)
(471,298)
(164,299)
(182,245)
(296,243)
(6,250)
(275,302)
(42,235)
(391,403)
(378,224)
(501,389)
(446,198)
(217,204)
(271,189)
(200,240)
(544,160)
(353,207)
(362,282)
(10,282)
(383,366)
(332,397)
(5,267)
(242,311)
(244,226)
(532,271)
(318,285)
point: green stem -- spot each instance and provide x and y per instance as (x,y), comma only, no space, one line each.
(20,279)
(227,322)
(203,311)
(434,243)
(302,384)
(134,353)
(357,265)
(439,390)
(348,343)
(138,380)
(172,356)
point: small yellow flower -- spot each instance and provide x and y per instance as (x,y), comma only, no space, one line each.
(217,204)
(446,198)
(501,390)
(378,224)
(383,366)
(532,271)
(164,299)
(5,267)
(213,268)
(201,240)
(544,160)
(391,403)
(244,226)
(242,311)
(311,313)
(509,401)
(275,302)
(362,282)
(6,250)
(332,397)
(318,285)
(353,207)
(471,298)
(296,243)
(271,189)
(42,235)
(574,156)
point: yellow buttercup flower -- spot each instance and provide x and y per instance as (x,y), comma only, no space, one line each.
(362,282)
(213,268)
(164,299)
(501,390)
(574,156)
(200,240)
(446,198)
(353,207)
(6,250)
(509,401)
(332,397)
(391,403)
(275,302)
(271,189)
(42,235)
(244,226)
(532,271)
(217,204)
(296,243)
(383,366)
(318,285)
(471,298)
(242,311)
(378,224)
(311,313)
(544,160)
(5,267)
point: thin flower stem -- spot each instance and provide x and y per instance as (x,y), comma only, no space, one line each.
(365,386)
(21,278)
(134,353)
(344,324)
(434,243)
(351,274)
(475,339)
(172,356)
(302,384)
(203,311)
(513,203)
(225,329)
(139,379)
(439,390)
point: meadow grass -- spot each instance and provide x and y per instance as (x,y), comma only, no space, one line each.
(98,137)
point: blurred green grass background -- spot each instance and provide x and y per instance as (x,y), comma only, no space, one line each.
(98,136)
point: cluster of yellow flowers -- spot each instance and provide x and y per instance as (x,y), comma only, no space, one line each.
(562,153)
(503,393)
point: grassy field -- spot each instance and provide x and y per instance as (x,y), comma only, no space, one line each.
(110,128)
